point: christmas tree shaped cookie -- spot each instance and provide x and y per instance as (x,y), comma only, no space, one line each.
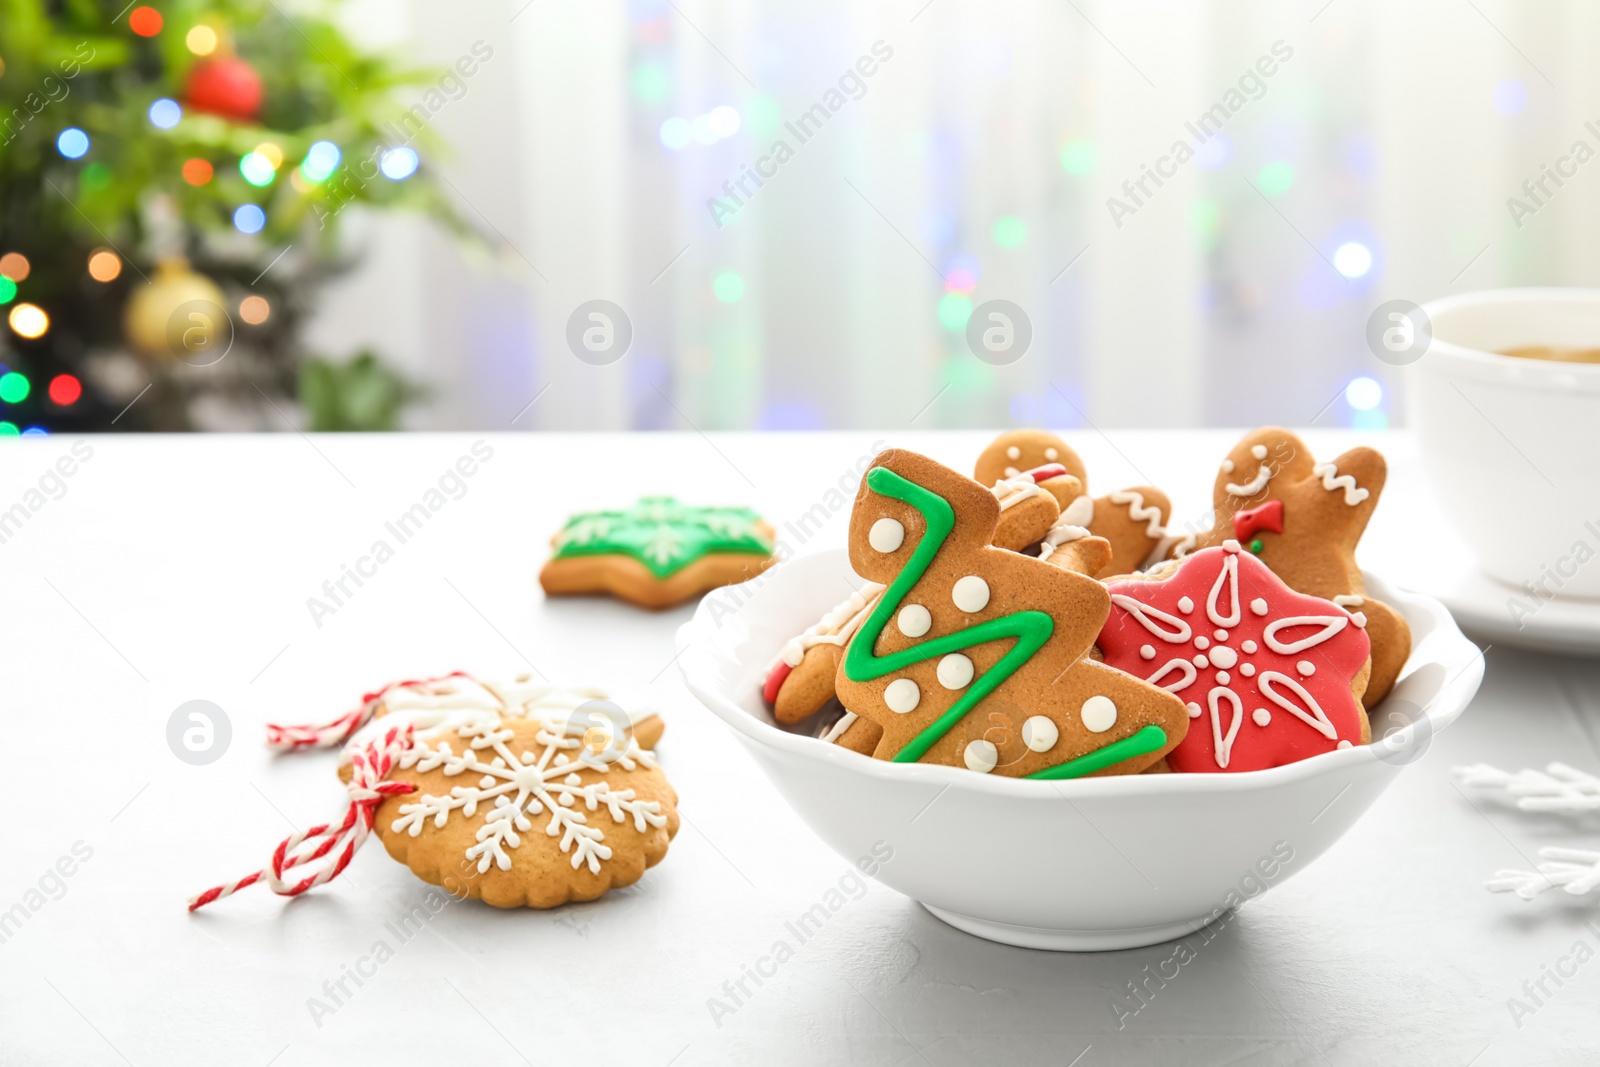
(974,656)
(658,552)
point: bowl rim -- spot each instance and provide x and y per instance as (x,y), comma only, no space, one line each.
(1536,373)
(1463,661)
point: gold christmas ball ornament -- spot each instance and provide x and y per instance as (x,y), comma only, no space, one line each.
(180,315)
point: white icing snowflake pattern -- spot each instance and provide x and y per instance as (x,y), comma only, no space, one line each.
(528,784)
(1558,789)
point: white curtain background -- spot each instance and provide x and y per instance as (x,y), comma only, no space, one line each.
(1231,296)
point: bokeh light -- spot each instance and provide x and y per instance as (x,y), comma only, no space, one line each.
(36,431)
(1009,232)
(72,143)
(95,176)
(700,130)
(1364,393)
(145,21)
(257,169)
(954,311)
(1352,259)
(104,265)
(322,159)
(248,218)
(271,153)
(165,114)
(1509,97)
(1079,157)
(724,121)
(961,280)
(15,265)
(1275,178)
(398,164)
(254,310)
(8,429)
(201,40)
(30,321)
(1216,152)
(8,290)
(14,387)
(674,132)
(65,389)
(651,82)
(196,171)
(728,286)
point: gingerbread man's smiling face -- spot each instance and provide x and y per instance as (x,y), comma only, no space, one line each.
(1020,450)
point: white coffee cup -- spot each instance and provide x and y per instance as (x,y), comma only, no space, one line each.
(1512,445)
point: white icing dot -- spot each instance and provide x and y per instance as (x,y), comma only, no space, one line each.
(1201,661)
(1343,744)
(1221,635)
(1147,651)
(1012,472)
(886,535)
(1202,643)
(1259,606)
(1040,734)
(1013,452)
(902,695)
(1099,714)
(1223,678)
(1227,466)
(1223,656)
(914,620)
(1261,716)
(1249,646)
(981,756)
(1051,454)
(1185,605)
(1230,545)
(954,671)
(1360,619)
(1247,669)
(970,593)
(1259,451)
(1194,709)
(1306,667)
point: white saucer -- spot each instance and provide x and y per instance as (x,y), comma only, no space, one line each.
(1480,606)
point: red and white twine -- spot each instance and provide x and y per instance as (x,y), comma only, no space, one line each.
(340,730)
(367,789)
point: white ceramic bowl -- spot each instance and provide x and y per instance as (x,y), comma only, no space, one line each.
(1510,444)
(1095,863)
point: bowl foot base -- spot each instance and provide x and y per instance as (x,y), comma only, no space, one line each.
(1070,940)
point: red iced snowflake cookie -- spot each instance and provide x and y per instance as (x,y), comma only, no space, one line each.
(1274,675)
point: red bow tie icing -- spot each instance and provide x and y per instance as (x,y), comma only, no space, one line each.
(1268,516)
(1266,670)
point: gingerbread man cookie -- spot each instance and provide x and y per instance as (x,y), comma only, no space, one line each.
(1132,520)
(1269,675)
(1303,519)
(975,656)
(657,553)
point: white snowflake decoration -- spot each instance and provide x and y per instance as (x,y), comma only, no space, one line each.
(532,783)
(1558,788)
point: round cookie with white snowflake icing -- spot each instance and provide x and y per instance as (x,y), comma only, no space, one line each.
(526,811)
(1269,676)
(657,553)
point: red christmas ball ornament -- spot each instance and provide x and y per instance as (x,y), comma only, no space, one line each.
(227,87)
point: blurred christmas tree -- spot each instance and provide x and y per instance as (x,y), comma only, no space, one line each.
(172,184)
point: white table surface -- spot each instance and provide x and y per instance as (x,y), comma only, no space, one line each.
(179,568)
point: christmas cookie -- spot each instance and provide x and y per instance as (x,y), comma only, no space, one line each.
(997,681)
(516,794)
(1132,520)
(524,812)
(1303,519)
(657,553)
(1270,676)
